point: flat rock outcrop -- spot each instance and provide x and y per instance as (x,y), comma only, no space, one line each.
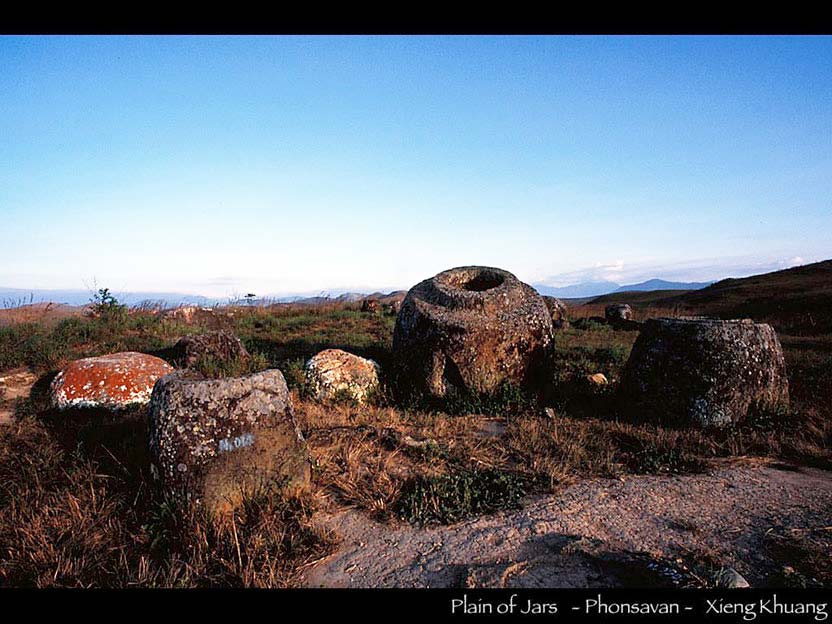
(213,441)
(335,374)
(705,372)
(114,381)
(219,345)
(469,330)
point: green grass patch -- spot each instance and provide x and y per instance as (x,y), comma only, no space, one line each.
(450,498)
(217,368)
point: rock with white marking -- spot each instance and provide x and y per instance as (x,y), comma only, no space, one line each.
(215,441)
(116,381)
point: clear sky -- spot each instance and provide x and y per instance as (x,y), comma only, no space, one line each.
(278,165)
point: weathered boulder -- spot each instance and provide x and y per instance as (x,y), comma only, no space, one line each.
(219,345)
(705,372)
(395,306)
(214,441)
(334,374)
(114,381)
(470,329)
(557,309)
(618,312)
(370,305)
(729,578)
(597,379)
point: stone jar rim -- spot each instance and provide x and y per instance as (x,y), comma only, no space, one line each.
(471,286)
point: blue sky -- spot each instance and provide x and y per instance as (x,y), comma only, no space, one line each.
(220,165)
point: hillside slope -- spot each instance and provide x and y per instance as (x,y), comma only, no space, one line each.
(796,301)
(641,298)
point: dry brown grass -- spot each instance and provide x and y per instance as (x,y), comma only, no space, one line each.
(91,516)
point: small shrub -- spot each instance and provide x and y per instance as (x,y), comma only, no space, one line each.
(295,374)
(107,308)
(31,345)
(508,399)
(652,456)
(450,498)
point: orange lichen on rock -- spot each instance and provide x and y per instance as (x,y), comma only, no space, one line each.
(113,381)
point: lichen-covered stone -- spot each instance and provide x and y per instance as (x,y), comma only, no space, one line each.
(214,441)
(618,312)
(335,374)
(470,329)
(705,372)
(114,381)
(558,311)
(219,345)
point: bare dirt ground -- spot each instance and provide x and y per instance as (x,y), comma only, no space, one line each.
(14,384)
(596,533)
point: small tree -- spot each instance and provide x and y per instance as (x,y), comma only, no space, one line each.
(106,307)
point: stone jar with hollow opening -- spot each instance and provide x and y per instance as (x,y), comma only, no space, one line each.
(470,330)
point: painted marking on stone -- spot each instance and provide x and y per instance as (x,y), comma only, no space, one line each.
(230,444)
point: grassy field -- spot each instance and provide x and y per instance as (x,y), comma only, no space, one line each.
(78,506)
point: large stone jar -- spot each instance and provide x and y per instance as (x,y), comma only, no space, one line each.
(469,330)
(705,372)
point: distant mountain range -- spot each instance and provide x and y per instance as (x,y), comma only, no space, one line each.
(594,289)
(13,297)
